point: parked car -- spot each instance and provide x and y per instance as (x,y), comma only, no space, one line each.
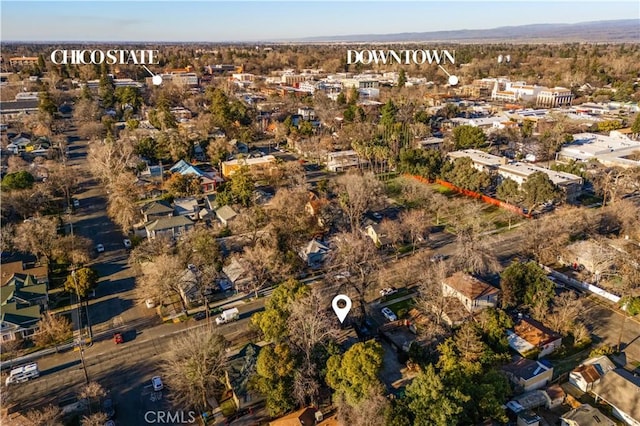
(150,303)
(388,314)
(117,337)
(156,381)
(100,248)
(376,215)
(127,243)
(437,258)
(388,291)
(200,316)
(108,408)
(76,203)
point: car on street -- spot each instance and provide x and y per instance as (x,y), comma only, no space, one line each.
(388,314)
(127,243)
(200,316)
(388,291)
(100,248)
(156,382)
(117,337)
(437,258)
(108,409)
(150,303)
(377,215)
(76,203)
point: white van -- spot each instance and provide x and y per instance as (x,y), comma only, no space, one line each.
(22,374)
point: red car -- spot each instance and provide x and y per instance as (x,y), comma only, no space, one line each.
(117,337)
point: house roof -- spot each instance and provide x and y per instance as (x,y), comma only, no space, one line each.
(314,247)
(525,368)
(621,389)
(588,372)
(168,223)
(469,286)
(586,415)
(234,271)
(241,368)
(555,392)
(10,268)
(226,213)
(21,317)
(184,168)
(22,288)
(302,417)
(185,205)
(534,332)
(157,207)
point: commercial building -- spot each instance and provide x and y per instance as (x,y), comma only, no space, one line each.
(556,97)
(616,149)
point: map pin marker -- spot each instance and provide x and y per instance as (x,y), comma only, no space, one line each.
(341,313)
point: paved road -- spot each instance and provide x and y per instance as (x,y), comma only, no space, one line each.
(124,369)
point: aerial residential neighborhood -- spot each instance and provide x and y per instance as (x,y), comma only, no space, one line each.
(268,233)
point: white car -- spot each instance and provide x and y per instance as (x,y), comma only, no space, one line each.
(388,314)
(100,248)
(76,203)
(157,383)
(388,291)
(127,243)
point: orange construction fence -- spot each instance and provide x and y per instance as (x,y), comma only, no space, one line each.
(473,194)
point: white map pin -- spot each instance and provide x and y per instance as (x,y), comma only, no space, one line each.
(341,313)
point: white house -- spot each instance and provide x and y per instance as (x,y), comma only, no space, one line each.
(589,373)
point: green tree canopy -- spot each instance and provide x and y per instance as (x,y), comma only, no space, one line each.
(509,191)
(525,283)
(274,378)
(389,111)
(402,78)
(468,137)
(82,282)
(273,320)
(180,185)
(239,189)
(538,189)
(46,104)
(462,173)
(433,403)
(355,373)
(18,180)
(421,162)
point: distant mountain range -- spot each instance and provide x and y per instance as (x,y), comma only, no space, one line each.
(618,31)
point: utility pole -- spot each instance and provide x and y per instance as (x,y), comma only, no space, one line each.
(78,313)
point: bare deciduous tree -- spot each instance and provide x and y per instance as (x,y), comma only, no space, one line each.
(354,263)
(37,236)
(161,278)
(48,416)
(95,419)
(92,392)
(416,224)
(123,195)
(194,368)
(357,194)
(264,263)
(52,330)
(370,412)
(108,159)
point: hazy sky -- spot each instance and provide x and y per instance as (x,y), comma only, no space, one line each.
(216,21)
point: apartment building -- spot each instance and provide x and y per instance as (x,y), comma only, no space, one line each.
(23,60)
(519,172)
(570,184)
